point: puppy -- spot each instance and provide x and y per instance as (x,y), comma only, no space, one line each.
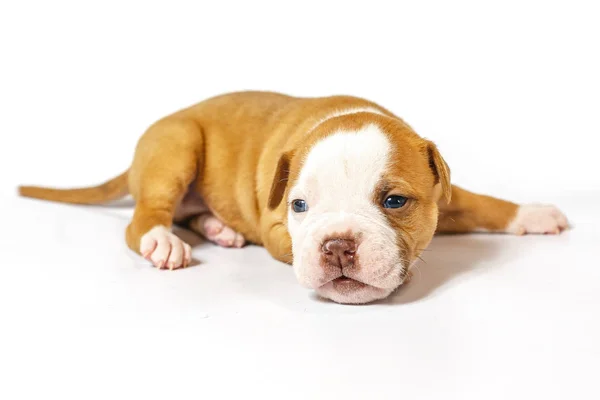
(339,187)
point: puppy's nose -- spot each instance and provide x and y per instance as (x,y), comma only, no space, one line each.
(339,252)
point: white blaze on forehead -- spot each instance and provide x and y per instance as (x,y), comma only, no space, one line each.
(349,111)
(342,170)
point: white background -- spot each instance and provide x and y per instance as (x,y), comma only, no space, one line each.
(510,92)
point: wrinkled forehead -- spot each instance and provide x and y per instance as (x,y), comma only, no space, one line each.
(345,163)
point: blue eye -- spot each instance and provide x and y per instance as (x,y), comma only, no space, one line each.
(395,202)
(299,206)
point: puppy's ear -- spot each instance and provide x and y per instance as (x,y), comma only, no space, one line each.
(440,169)
(280,180)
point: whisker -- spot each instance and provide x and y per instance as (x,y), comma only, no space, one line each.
(420,275)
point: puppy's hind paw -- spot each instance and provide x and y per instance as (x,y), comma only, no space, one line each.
(216,231)
(538,218)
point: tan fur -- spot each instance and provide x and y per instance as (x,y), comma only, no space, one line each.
(469,212)
(113,189)
(239,152)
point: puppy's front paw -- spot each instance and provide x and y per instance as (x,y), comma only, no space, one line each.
(538,218)
(164,249)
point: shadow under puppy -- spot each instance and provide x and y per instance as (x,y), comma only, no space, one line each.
(338,186)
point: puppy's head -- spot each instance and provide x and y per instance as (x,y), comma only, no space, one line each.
(361,197)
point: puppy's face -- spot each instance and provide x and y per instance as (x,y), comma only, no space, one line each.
(361,206)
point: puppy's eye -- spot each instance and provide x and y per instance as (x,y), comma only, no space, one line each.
(395,202)
(299,206)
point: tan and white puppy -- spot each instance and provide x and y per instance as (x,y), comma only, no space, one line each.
(338,186)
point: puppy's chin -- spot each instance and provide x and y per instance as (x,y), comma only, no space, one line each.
(349,291)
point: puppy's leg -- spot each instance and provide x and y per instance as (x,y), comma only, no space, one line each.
(213,229)
(277,240)
(166,162)
(470,212)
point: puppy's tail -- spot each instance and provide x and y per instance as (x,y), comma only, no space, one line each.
(113,189)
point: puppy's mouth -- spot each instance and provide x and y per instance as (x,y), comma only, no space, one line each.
(346,290)
(346,284)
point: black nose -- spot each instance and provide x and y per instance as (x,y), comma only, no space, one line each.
(339,252)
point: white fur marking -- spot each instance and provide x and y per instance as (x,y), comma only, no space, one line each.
(349,111)
(344,166)
(537,218)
